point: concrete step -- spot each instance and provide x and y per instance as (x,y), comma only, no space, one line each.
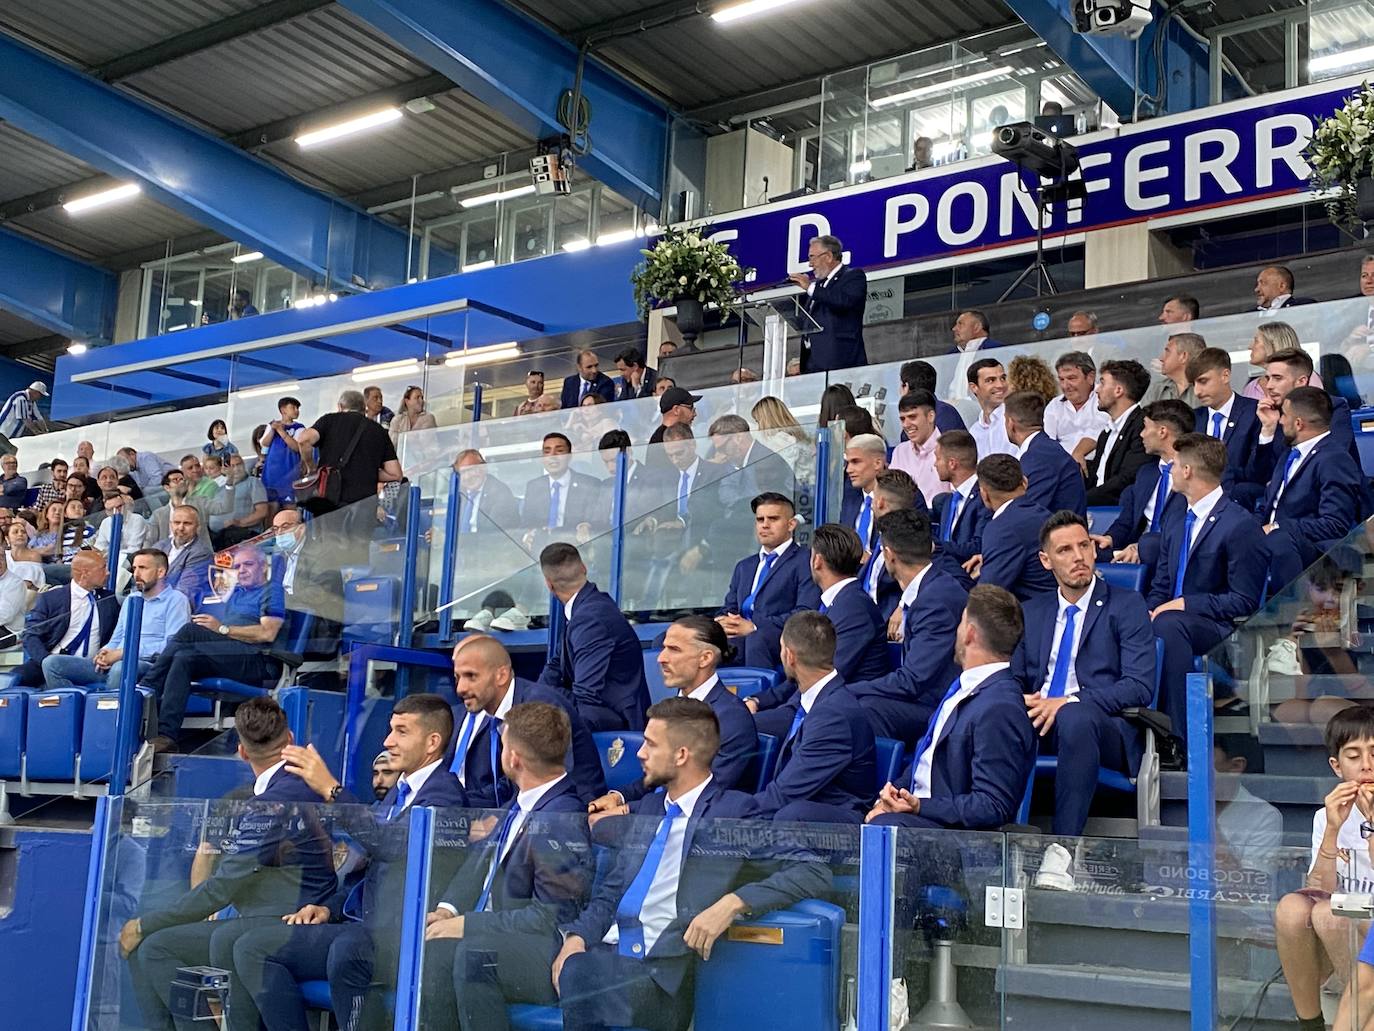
(1294,749)
(1295,797)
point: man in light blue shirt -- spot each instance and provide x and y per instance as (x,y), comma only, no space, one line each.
(165,611)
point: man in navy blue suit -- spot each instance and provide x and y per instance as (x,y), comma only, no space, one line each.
(636,379)
(588,379)
(836,296)
(894,491)
(1229,418)
(494,933)
(753,467)
(859,628)
(827,762)
(959,517)
(769,586)
(1313,499)
(486,504)
(1011,540)
(972,336)
(865,456)
(352,938)
(693,648)
(919,375)
(49,628)
(971,766)
(487,688)
(1145,502)
(628,958)
(600,663)
(274,861)
(1211,570)
(931,602)
(1088,655)
(1053,479)
(561,499)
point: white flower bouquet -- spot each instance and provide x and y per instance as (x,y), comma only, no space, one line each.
(1341,154)
(685,264)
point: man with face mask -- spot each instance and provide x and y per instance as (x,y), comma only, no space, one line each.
(310,582)
(188,554)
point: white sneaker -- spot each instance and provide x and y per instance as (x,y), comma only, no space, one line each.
(1283,658)
(511,619)
(1056,869)
(481,621)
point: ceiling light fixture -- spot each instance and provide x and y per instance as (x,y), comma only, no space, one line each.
(747,9)
(941,87)
(478,266)
(104,197)
(497,195)
(482,355)
(1342,59)
(247,256)
(267,391)
(77,347)
(619,236)
(348,128)
(386,370)
(580,244)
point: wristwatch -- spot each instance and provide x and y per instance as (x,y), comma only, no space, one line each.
(334,792)
(223,630)
(1366,830)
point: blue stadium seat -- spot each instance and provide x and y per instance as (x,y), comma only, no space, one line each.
(889,761)
(747,681)
(765,763)
(1145,785)
(14,711)
(53,735)
(316,994)
(658,690)
(619,750)
(98,731)
(1101,517)
(299,627)
(370,608)
(1127,575)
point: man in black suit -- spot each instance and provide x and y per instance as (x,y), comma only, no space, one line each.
(588,379)
(49,628)
(275,860)
(1120,452)
(836,296)
(561,499)
(628,959)
(485,504)
(636,380)
(692,529)
(972,334)
(1274,290)
(494,933)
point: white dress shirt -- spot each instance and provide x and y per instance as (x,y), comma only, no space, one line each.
(1154,494)
(660,903)
(991,436)
(829,594)
(968,354)
(1272,308)
(265,777)
(1225,411)
(416,781)
(700,692)
(14,599)
(1114,428)
(779,551)
(479,718)
(1003,507)
(966,490)
(808,698)
(1071,684)
(1304,449)
(82,603)
(969,682)
(1201,511)
(909,594)
(1071,425)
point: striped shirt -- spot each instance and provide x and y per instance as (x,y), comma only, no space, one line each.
(18,410)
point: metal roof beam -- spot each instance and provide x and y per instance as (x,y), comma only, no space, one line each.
(37,347)
(65,296)
(192,172)
(520,69)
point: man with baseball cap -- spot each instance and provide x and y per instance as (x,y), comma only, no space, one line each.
(20,414)
(677,407)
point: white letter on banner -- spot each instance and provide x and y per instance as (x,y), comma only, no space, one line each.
(724,236)
(895,226)
(1135,177)
(977,224)
(1267,152)
(1195,166)
(1094,185)
(1014,194)
(794,227)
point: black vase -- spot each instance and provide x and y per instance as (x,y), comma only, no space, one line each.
(1364,199)
(689,320)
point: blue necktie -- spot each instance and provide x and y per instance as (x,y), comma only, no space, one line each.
(1161,495)
(554,488)
(865,524)
(460,753)
(1293,457)
(824,608)
(1059,683)
(951,514)
(870,577)
(684,482)
(747,609)
(627,914)
(494,750)
(930,733)
(1183,553)
(796,725)
(472,511)
(506,825)
(583,392)
(402,793)
(83,637)
(1217,419)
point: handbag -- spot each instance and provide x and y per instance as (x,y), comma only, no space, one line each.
(325,484)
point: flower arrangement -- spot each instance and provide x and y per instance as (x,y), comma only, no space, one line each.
(685,264)
(1341,153)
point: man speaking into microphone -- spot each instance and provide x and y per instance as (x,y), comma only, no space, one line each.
(835,298)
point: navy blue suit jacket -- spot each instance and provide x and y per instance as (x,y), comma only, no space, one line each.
(496,507)
(625,392)
(543,880)
(281,860)
(1321,503)
(851,503)
(583,760)
(1240,434)
(46,624)
(979,770)
(831,758)
(603,385)
(947,417)
(928,666)
(709,870)
(1011,551)
(1053,479)
(1268,457)
(839,309)
(739,742)
(582,504)
(788,589)
(860,634)
(601,662)
(967,539)
(1115,663)
(1130,526)
(1227,564)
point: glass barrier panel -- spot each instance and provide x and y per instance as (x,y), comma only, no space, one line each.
(789,960)
(191,909)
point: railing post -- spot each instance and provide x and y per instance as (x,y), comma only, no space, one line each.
(129,709)
(419,847)
(405,623)
(452,524)
(622,465)
(109,812)
(877,868)
(477,401)
(822,475)
(1202,917)
(116,538)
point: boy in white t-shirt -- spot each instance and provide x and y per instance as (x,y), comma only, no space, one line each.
(1312,943)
